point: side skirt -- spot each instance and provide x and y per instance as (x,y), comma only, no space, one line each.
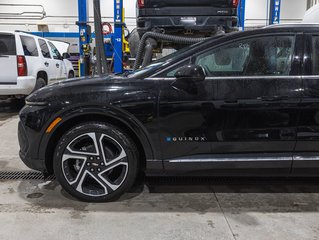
(250,164)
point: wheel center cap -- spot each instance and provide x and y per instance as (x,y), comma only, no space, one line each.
(95,164)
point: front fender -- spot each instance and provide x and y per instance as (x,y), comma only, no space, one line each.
(112,112)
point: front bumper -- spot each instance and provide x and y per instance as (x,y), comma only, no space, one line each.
(29,149)
(24,86)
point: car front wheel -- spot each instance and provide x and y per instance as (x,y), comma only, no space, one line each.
(96,162)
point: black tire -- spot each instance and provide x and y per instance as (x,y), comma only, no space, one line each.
(89,176)
(40,83)
(133,42)
(71,75)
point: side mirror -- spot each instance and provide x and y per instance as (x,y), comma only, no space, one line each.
(193,73)
(66,56)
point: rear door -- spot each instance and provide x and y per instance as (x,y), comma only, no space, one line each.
(8,59)
(306,157)
(58,62)
(48,61)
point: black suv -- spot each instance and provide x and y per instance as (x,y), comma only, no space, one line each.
(176,16)
(241,104)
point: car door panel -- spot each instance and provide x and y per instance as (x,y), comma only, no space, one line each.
(253,109)
(185,119)
(306,157)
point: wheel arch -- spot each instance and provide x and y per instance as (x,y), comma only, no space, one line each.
(132,128)
(43,75)
(71,71)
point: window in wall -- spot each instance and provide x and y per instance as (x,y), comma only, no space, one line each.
(55,52)
(315,55)
(250,57)
(29,46)
(44,49)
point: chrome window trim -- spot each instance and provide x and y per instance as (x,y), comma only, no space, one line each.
(310,76)
(306,158)
(241,77)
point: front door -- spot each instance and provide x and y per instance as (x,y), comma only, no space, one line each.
(246,110)
(184,111)
(257,95)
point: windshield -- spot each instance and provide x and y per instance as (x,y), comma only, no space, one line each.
(165,60)
(159,62)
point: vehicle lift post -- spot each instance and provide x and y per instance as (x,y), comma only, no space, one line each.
(274,12)
(118,36)
(85,37)
(241,14)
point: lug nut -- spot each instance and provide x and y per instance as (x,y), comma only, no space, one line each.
(91,158)
(98,158)
(102,164)
(99,169)
(92,169)
(88,164)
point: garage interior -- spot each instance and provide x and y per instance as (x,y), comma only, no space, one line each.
(34,206)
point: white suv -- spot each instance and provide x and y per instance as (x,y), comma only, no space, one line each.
(28,62)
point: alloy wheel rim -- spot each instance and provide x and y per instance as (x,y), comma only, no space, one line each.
(94,164)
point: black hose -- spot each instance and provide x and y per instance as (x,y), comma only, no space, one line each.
(151,43)
(161,36)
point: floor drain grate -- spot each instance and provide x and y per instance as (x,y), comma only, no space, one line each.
(24,175)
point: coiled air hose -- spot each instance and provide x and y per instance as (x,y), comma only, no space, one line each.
(160,36)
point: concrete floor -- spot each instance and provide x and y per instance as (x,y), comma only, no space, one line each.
(233,210)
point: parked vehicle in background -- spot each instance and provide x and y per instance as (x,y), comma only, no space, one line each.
(27,63)
(187,18)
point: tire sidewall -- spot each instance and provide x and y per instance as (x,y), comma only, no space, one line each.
(123,139)
(40,83)
(71,75)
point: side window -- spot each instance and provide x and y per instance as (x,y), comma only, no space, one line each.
(171,72)
(29,46)
(7,44)
(55,52)
(250,57)
(44,49)
(315,55)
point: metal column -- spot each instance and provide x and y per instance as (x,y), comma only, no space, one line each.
(241,14)
(118,36)
(274,12)
(85,35)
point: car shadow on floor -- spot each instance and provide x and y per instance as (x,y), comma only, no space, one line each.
(280,195)
(10,108)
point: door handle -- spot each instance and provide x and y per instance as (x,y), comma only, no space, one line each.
(57,65)
(230,101)
(272,98)
(46,64)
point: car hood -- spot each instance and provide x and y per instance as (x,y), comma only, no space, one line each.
(85,89)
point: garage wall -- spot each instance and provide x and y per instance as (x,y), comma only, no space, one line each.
(61,15)
(257,11)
